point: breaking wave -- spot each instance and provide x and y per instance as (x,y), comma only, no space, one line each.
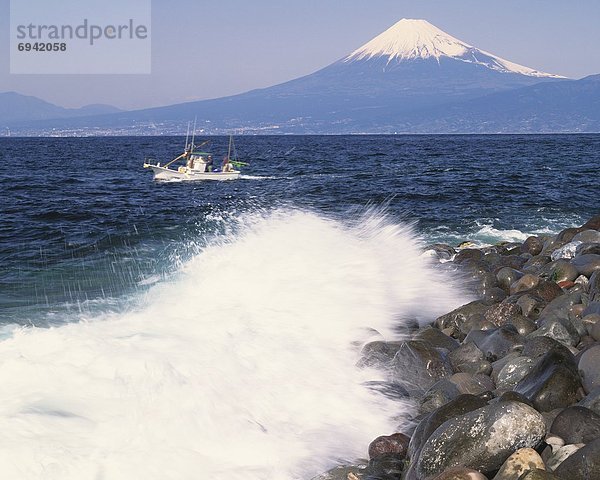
(241,366)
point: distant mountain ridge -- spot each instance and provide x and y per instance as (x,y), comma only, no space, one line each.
(411,78)
(15,108)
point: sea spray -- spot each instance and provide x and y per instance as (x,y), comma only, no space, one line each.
(241,366)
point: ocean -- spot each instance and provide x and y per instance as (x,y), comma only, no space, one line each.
(172,330)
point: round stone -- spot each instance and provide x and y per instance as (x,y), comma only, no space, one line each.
(584,464)
(577,425)
(552,383)
(588,368)
(586,264)
(525,283)
(519,463)
(396,443)
(587,236)
(533,246)
(482,439)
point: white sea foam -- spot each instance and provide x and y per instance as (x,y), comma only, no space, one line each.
(240,367)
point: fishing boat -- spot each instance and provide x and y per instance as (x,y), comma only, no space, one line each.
(198,165)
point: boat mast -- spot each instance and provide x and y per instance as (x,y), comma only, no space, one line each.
(229,151)
(187,135)
(194,133)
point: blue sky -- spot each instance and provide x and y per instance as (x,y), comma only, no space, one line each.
(208,49)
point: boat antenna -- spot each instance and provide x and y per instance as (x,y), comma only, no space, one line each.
(187,135)
(194,132)
(229,151)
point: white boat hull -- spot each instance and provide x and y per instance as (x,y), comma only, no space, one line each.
(166,174)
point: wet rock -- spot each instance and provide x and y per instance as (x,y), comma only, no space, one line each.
(495,343)
(577,425)
(396,443)
(553,382)
(531,306)
(492,258)
(455,408)
(513,372)
(533,246)
(566,251)
(561,454)
(523,325)
(471,254)
(506,276)
(592,224)
(385,467)
(538,346)
(587,236)
(584,464)
(594,287)
(586,264)
(534,264)
(512,396)
(440,250)
(437,338)
(547,291)
(519,463)
(460,473)
(591,308)
(586,248)
(514,261)
(561,332)
(449,388)
(589,368)
(467,352)
(568,234)
(560,307)
(559,271)
(492,295)
(592,400)
(418,365)
(456,318)
(589,321)
(502,313)
(525,283)
(482,439)
(378,354)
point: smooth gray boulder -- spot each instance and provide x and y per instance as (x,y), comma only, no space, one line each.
(482,440)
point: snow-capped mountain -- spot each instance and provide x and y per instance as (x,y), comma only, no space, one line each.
(411,39)
(411,74)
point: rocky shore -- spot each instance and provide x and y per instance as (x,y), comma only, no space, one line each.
(506,387)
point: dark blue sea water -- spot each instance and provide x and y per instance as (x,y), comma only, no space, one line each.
(82,222)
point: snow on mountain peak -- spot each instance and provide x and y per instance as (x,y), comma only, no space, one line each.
(411,39)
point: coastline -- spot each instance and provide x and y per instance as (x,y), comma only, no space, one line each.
(508,385)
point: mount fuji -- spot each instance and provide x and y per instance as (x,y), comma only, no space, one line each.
(403,80)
